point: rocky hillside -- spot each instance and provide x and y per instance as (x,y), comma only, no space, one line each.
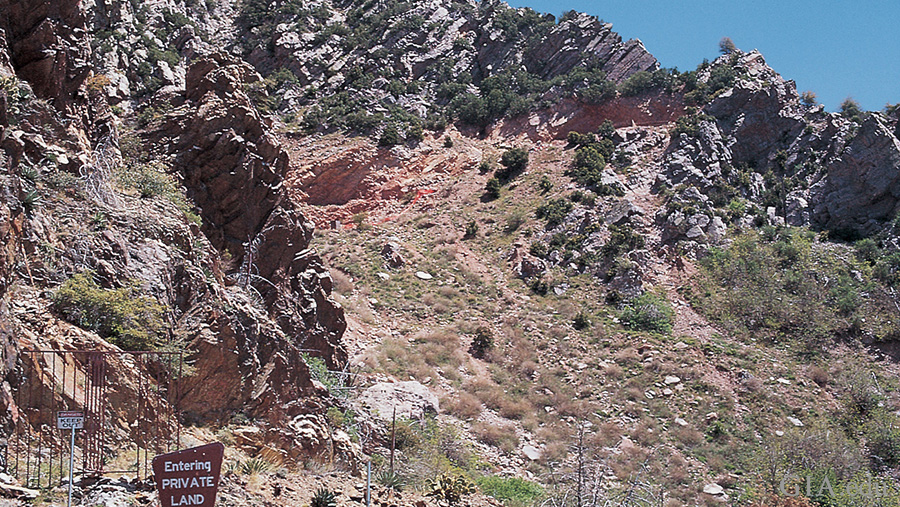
(577,278)
(150,249)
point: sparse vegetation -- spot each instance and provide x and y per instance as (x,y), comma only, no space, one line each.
(124,316)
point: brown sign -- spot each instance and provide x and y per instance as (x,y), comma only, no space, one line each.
(189,477)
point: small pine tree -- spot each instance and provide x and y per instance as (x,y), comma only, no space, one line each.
(514,161)
(389,137)
(851,110)
(726,46)
(808,99)
(606,130)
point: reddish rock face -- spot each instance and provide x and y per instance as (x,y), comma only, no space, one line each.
(49,46)
(233,168)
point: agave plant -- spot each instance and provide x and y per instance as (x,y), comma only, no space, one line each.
(391,480)
(323,498)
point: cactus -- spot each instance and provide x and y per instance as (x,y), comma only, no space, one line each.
(448,488)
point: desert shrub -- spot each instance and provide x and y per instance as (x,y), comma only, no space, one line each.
(579,139)
(726,46)
(318,370)
(643,81)
(582,320)
(512,491)
(851,110)
(774,283)
(492,188)
(554,211)
(123,316)
(606,130)
(482,342)
(502,437)
(415,132)
(689,124)
(622,239)
(887,269)
(720,77)
(545,184)
(808,98)
(389,136)
(648,312)
(514,162)
(538,249)
(471,229)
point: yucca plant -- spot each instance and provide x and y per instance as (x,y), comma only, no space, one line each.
(323,498)
(255,466)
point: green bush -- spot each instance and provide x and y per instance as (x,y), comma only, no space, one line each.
(887,269)
(545,184)
(785,284)
(389,137)
(514,162)
(582,321)
(720,77)
(492,188)
(606,130)
(690,124)
(482,342)
(648,312)
(471,229)
(554,211)
(512,491)
(122,316)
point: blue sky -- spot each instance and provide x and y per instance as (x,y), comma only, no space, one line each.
(834,48)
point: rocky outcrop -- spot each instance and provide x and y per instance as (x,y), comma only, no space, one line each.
(583,36)
(428,43)
(49,46)
(233,169)
(759,142)
(860,189)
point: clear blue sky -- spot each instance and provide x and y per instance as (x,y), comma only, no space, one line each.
(834,48)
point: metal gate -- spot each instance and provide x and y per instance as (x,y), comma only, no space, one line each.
(130,403)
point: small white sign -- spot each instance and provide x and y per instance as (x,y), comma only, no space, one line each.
(70,419)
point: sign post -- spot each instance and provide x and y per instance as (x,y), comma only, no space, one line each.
(71,420)
(189,477)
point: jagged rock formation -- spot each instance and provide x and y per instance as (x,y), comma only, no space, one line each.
(808,166)
(243,291)
(233,168)
(48,45)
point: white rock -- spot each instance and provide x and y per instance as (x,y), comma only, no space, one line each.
(713,489)
(796,422)
(423,275)
(384,276)
(779,433)
(783,381)
(681,422)
(671,379)
(531,452)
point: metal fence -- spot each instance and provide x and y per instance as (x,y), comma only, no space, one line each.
(130,404)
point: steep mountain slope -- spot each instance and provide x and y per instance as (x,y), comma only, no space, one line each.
(562,263)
